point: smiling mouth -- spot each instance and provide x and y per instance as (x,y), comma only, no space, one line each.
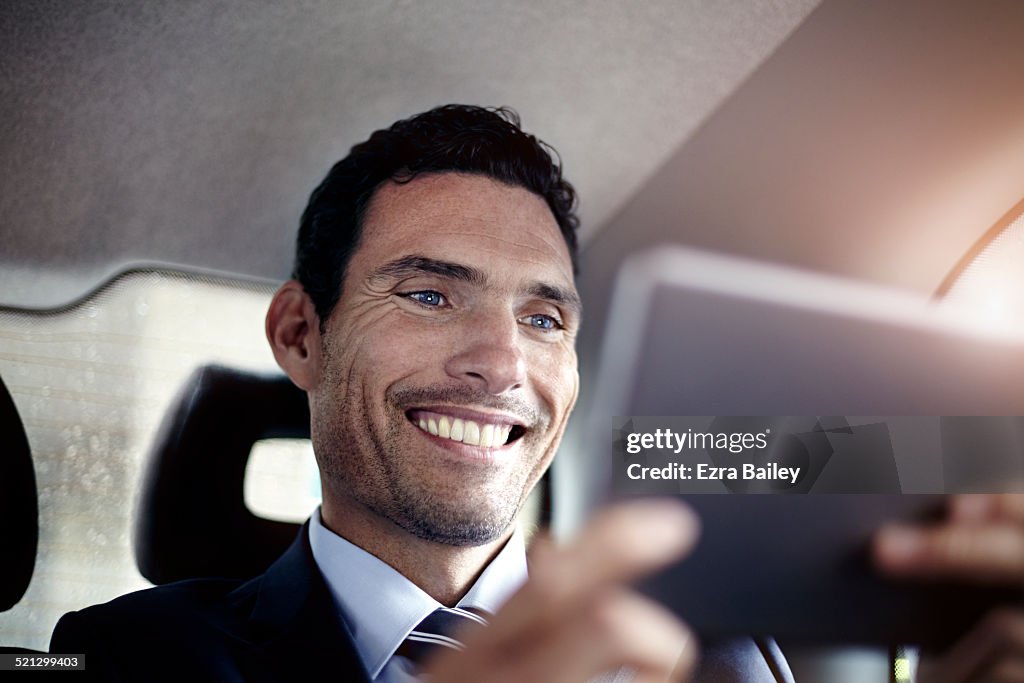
(470,432)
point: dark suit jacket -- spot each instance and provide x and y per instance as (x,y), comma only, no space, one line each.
(281,626)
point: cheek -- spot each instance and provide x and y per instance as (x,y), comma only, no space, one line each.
(558,376)
(377,356)
(574,379)
(572,389)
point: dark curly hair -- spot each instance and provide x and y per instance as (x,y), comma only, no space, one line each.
(457,138)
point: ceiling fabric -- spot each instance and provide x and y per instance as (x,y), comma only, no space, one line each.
(191,133)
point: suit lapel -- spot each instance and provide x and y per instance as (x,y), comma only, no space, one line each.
(296,631)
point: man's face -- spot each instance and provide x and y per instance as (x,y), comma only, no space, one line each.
(448,366)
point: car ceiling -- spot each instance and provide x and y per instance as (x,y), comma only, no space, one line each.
(191,133)
(879,142)
(867,138)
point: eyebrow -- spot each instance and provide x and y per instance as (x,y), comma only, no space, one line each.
(561,296)
(408,266)
(417,265)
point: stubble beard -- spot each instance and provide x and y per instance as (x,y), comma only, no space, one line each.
(374,470)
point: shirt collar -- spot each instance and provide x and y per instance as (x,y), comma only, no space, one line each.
(381,606)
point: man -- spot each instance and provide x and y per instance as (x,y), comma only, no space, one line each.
(432,321)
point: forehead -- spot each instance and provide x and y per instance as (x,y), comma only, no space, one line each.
(468,219)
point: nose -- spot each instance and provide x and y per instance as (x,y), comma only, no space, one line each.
(489,356)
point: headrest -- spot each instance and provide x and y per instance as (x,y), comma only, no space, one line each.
(192,520)
(19,510)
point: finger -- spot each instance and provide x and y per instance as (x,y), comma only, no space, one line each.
(616,628)
(996,639)
(1007,671)
(993,553)
(541,546)
(621,543)
(628,540)
(988,507)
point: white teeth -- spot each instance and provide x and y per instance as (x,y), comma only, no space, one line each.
(466,431)
(487,436)
(472,435)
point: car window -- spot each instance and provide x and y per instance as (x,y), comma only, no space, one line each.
(92,383)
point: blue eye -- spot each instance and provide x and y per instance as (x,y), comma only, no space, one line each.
(542,322)
(427,298)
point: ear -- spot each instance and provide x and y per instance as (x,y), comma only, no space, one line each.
(293,330)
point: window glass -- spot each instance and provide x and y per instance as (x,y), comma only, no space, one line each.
(92,384)
(281,480)
(992,284)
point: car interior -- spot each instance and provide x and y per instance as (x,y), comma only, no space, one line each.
(157,157)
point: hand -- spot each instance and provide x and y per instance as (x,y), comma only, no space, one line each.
(981,541)
(576,618)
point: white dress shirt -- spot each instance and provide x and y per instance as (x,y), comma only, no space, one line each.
(381,606)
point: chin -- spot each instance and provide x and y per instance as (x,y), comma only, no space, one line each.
(457,527)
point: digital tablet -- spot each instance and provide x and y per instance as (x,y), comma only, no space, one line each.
(798,568)
(697,334)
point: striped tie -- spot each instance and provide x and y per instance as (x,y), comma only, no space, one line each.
(433,632)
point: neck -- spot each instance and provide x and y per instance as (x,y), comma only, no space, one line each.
(444,572)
